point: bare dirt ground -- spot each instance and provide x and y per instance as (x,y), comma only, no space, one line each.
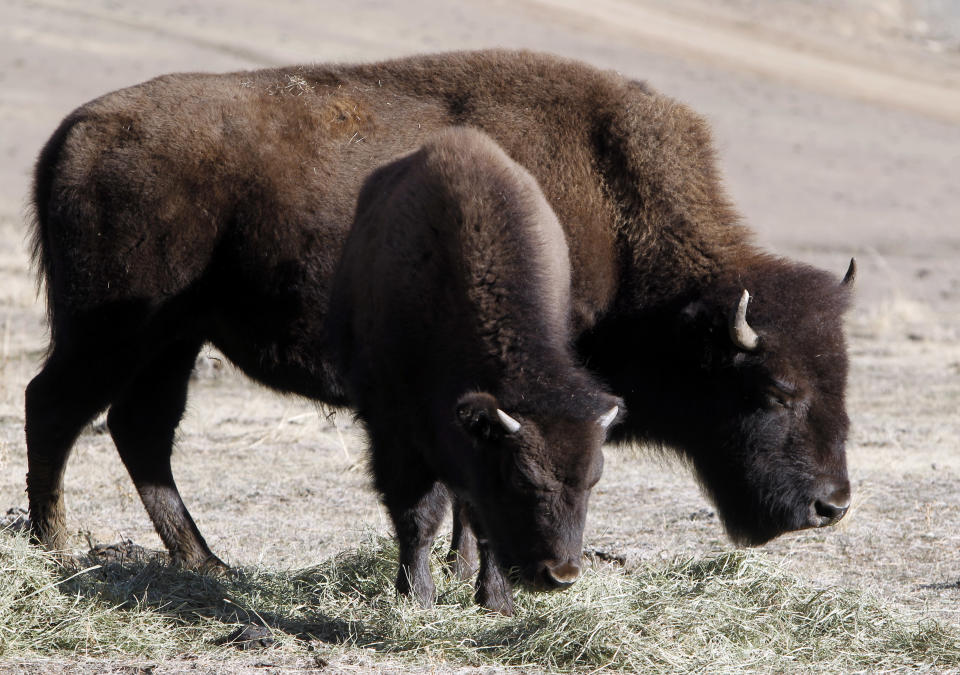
(838,132)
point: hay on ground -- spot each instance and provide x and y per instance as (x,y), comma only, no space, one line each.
(733,611)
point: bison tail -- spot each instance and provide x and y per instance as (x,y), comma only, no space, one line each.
(39,210)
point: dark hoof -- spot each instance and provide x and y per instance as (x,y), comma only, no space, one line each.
(502,604)
(211,565)
(424,598)
(214,567)
(53,540)
(496,599)
(420,588)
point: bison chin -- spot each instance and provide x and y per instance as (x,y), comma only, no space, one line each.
(753,515)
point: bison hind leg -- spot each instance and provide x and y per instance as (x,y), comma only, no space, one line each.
(66,395)
(143,422)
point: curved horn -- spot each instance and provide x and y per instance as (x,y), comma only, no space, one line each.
(740,331)
(851,274)
(510,424)
(607,418)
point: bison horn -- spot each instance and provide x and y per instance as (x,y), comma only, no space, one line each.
(607,418)
(510,424)
(851,274)
(740,331)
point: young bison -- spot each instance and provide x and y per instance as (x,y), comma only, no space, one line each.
(450,325)
(212,208)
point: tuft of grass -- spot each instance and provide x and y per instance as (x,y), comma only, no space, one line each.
(44,609)
(732,611)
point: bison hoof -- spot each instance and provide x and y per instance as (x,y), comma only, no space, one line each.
(53,539)
(211,564)
(421,587)
(498,600)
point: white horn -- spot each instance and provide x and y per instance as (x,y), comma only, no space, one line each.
(510,424)
(607,418)
(740,331)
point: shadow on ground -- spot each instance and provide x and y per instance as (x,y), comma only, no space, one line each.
(129,576)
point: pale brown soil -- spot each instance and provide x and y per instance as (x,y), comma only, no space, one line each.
(821,166)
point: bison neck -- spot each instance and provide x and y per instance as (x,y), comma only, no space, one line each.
(665,351)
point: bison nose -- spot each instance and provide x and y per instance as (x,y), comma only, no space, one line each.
(832,509)
(832,502)
(562,575)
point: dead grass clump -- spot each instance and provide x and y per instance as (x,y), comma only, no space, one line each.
(44,611)
(733,611)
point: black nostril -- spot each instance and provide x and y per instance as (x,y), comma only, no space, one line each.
(830,501)
(832,511)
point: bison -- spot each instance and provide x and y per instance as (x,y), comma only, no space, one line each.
(201,208)
(449,323)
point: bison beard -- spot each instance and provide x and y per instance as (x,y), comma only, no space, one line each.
(212,208)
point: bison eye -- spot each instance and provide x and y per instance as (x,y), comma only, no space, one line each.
(777,400)
(779,396)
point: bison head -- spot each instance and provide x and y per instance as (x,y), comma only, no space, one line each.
(746,379)
(527,479)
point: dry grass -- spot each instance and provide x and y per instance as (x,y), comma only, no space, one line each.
(733,611)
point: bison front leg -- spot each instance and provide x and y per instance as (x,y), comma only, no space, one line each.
(143,422)
(494,591)
(416,527)
(417,503)
(462,557)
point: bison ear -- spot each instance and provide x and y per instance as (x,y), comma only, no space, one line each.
(480,415)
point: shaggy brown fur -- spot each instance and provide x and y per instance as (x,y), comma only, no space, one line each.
(451,303)
(197,208)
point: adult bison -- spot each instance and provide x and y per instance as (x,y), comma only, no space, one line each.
(212,208)
(449,322)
